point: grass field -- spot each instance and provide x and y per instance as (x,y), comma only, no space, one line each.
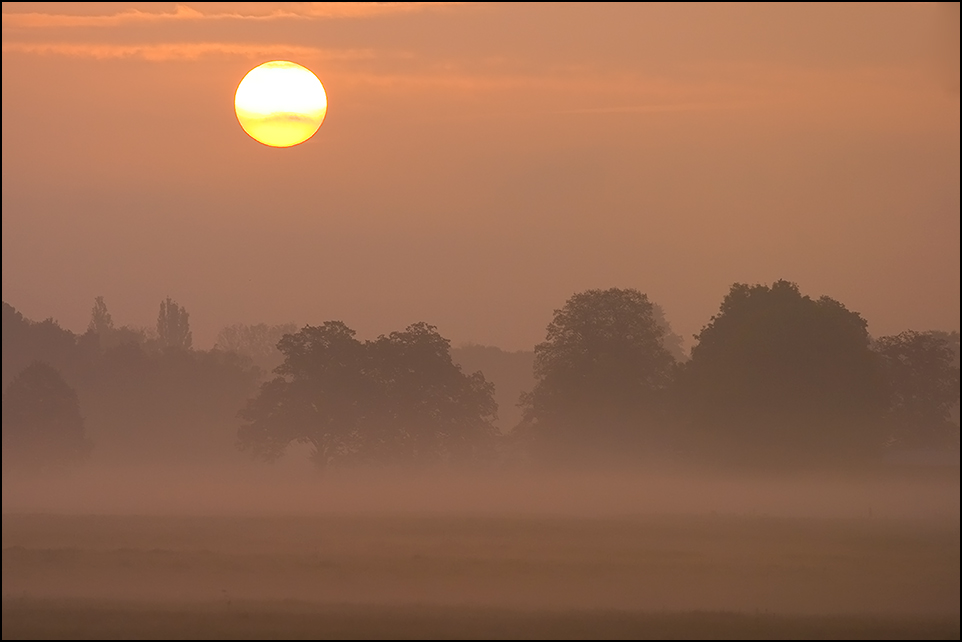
(440,575)
(285,620)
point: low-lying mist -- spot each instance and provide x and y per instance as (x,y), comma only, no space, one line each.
(294,486)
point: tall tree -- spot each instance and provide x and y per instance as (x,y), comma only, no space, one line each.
(102,332)
(601,375)
(42,425)
(173,327)
(671,340)
(776,376)
(100,320)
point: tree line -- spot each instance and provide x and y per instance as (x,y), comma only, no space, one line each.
(775,378)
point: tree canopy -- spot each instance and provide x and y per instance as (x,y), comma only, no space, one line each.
(101,329)
(42,424)
(397,399)
(601,373)
(922,374)
(100,320)
(783,376)
(173,326)
(26,341)
(141,403)
(776,377)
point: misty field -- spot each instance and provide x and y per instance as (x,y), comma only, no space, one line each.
(443,574)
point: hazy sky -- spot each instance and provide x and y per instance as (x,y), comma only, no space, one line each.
(480,164)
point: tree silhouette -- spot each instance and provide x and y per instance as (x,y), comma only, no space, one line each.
(259,342)
(101,331)
(173,327)
(923,378)
(671,340)
(140,404)
(42,425)
(397,399)
(319,397)
(431,409)
(777,376)
(26,341)
(100,320)
(601,375)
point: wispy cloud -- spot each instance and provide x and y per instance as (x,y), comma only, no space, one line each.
(660,108)
(302,10)
(875,96)
(181,51)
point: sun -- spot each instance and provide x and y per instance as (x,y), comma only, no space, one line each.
(280,103)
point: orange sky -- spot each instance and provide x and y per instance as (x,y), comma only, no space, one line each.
(479,164)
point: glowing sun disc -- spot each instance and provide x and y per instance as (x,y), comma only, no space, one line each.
(280,103)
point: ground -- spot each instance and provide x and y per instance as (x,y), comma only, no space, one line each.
(470,575)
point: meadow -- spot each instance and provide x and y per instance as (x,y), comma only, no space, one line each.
(468,575)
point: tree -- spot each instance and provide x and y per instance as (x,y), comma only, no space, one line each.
(259,342)
(318,398)
(100,320)
(777,376)
(601,375)
(26,341)
(140,404)
(922,374)
(173,328)
(431,409)
(102,332)
(672,341)
(397,399)
(42,425)
(173,405)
